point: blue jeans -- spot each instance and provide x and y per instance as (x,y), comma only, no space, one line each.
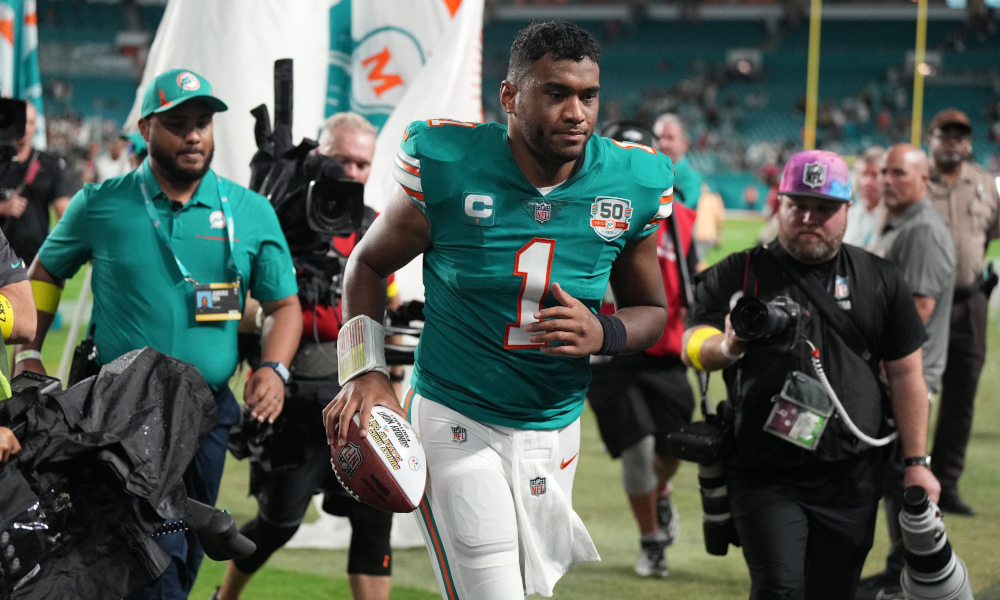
(201,480)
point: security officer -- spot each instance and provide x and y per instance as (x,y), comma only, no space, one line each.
(158,238)
(966,196)
(803,485)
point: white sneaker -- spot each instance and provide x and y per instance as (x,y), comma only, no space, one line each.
(652,560)
(666,515)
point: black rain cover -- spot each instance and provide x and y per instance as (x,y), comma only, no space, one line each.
(99,470)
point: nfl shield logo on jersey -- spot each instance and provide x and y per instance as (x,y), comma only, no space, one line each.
(543,212)
(609,217)
(537,486)
(458,434)
(814,175)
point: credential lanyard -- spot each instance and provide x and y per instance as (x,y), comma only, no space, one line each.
(154,218)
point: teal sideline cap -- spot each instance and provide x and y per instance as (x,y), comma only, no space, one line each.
(175,87)
(138,144)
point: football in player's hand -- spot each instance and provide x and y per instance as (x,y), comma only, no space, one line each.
(386,469)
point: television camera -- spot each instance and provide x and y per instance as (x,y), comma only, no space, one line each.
(311,194)
(315,201)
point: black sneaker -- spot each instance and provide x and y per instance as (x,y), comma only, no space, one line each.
(881,586)
(666,516)
(652,559)
(951,502)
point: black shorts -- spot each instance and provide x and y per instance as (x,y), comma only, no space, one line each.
(635,395)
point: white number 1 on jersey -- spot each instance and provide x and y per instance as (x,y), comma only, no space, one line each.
(533,263)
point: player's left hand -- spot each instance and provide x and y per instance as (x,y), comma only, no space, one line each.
(572,325)
(264,395)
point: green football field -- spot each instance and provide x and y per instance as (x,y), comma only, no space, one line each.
(600,501)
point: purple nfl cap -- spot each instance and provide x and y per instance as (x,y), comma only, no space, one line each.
(816,174)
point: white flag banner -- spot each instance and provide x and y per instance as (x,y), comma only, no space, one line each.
(449,85)
(233,44)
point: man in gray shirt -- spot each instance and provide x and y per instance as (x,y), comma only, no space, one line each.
(916,241)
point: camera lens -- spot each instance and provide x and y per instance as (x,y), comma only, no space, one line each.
(755,320)
(750,318)
(717,522)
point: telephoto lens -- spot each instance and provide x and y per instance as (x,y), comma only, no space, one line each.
(932,570)
(717,522)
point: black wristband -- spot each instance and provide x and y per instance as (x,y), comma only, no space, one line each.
(396,376)
(615,335)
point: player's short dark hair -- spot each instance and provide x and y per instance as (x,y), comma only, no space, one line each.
(562,39)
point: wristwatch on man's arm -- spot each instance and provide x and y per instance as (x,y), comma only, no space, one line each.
(279,368)
(917,461)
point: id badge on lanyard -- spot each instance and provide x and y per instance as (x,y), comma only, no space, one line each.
(217,301)
(212,301)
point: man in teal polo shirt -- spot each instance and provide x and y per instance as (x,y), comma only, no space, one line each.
(161,238)
(672,140)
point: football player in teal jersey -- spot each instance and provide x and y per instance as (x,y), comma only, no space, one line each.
(521,229)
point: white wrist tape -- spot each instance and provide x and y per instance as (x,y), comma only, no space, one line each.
(729,355)
(361,348)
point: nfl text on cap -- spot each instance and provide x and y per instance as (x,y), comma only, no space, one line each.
(816,174)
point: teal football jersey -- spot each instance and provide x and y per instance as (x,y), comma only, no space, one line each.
(497,244)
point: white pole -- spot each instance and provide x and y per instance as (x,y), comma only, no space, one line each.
(74,327)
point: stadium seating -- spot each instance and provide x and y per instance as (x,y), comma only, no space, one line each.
(645,64)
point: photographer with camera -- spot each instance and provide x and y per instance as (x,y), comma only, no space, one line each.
(160,238)
(294,461)
(29,185)
(814,321)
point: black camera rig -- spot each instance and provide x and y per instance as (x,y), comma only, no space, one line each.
(314,199)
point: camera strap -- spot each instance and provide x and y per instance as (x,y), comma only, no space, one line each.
(821,299)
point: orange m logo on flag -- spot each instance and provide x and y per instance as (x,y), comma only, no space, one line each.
(383,81)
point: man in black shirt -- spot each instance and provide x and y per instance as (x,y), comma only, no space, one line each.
(804,477)
(28,187)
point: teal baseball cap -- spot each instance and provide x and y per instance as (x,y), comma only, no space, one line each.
(135,138)
(175,87)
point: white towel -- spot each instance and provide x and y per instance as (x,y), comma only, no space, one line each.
(552,535)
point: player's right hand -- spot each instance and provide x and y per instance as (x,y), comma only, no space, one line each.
(29,364)
(358,395)
(13,206)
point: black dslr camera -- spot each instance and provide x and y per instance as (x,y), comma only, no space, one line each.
(776,323)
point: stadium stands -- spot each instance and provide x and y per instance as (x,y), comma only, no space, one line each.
(655,60)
